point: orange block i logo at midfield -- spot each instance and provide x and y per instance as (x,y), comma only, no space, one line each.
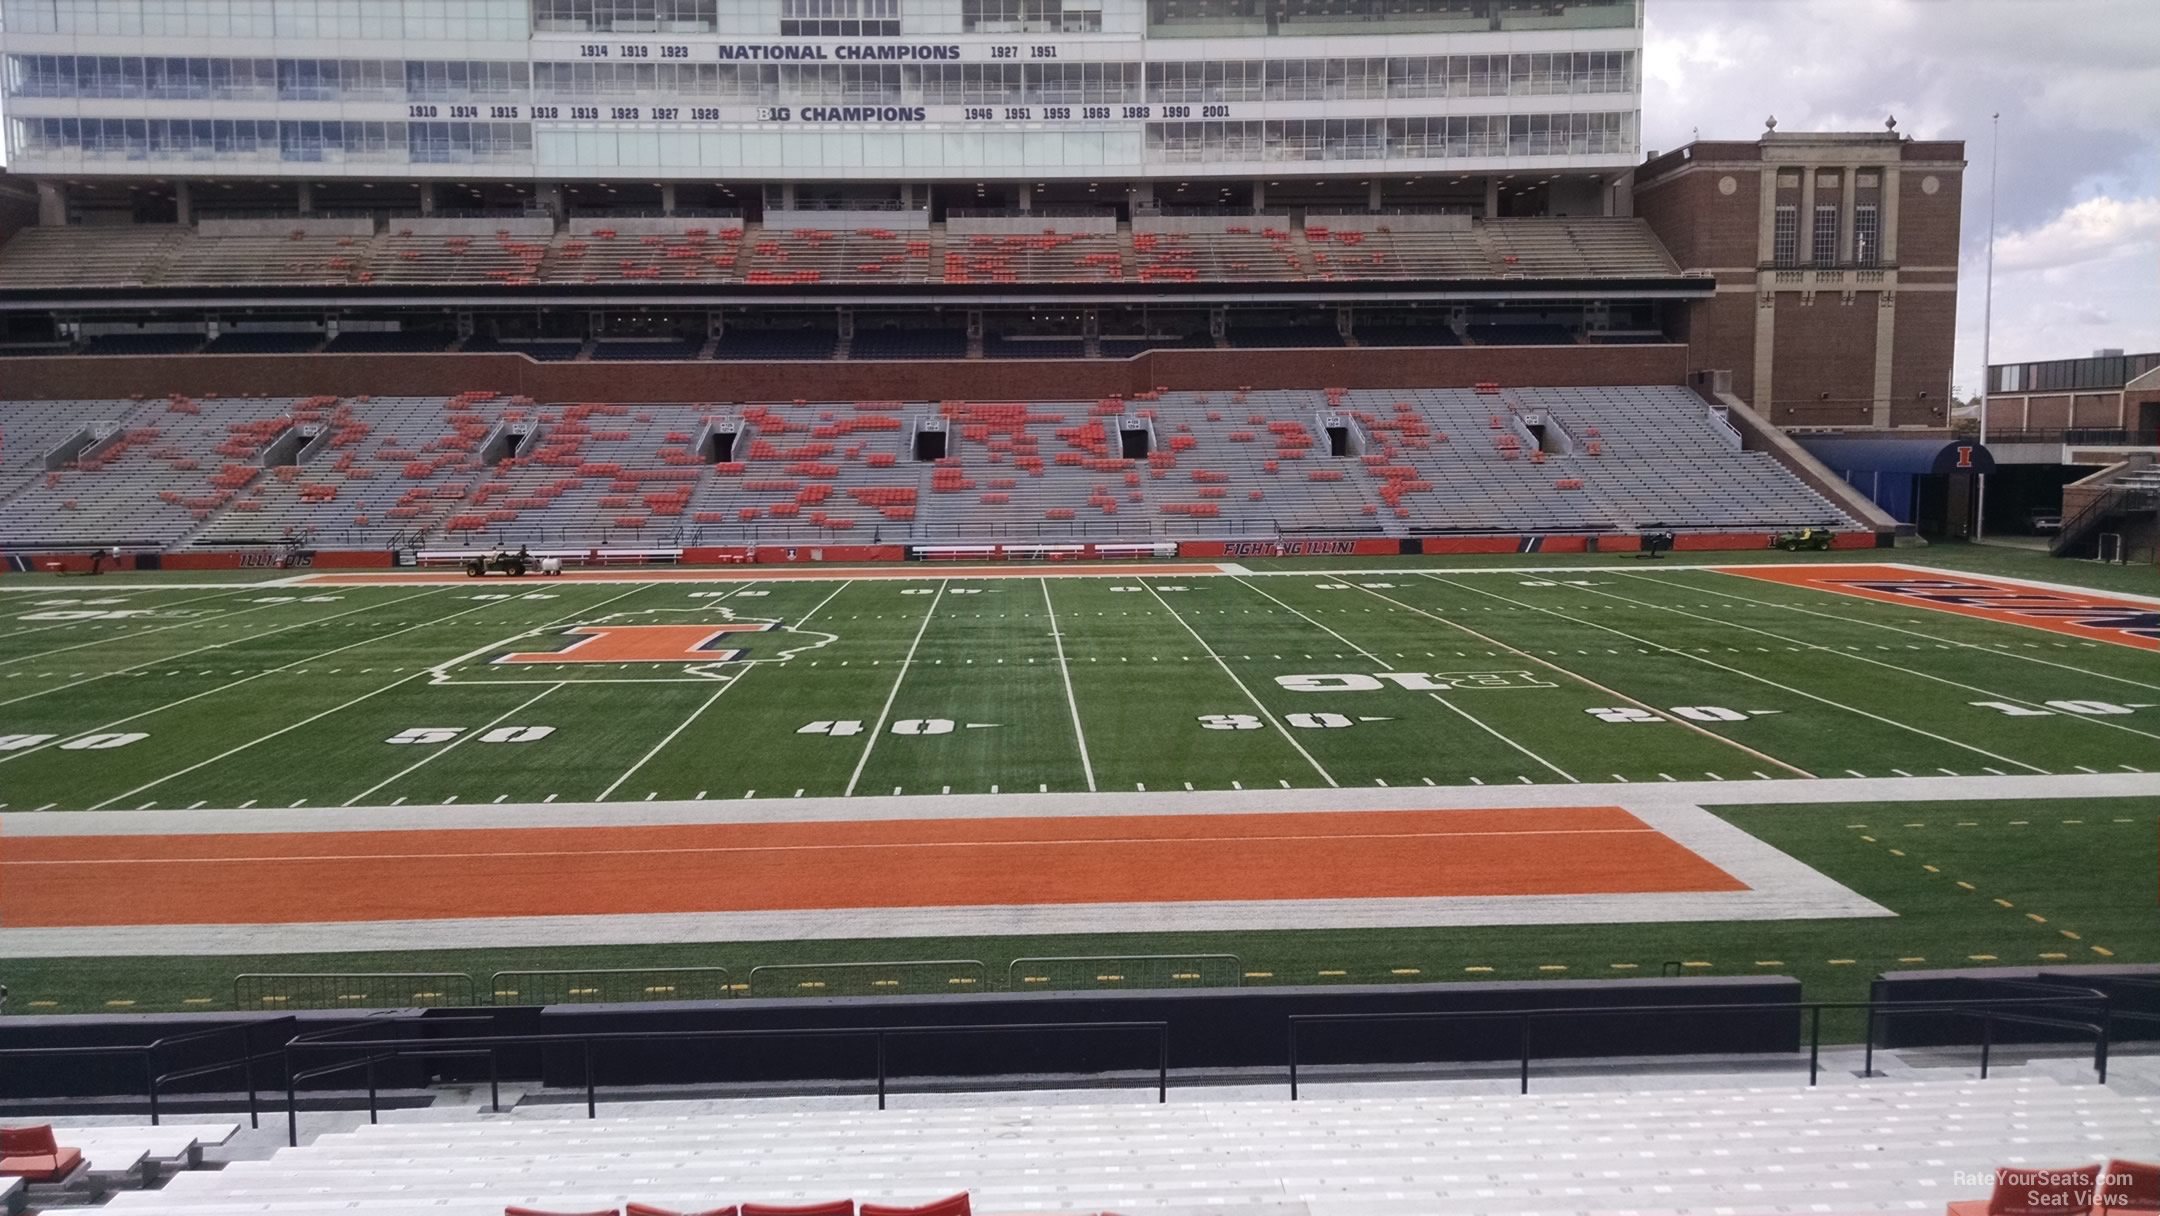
(642,644)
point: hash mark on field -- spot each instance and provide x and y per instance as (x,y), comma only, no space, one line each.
(549,798)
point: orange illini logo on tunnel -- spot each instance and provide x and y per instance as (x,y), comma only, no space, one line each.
(1964,456)
(644,644)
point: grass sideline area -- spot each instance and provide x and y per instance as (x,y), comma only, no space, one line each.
(272,697)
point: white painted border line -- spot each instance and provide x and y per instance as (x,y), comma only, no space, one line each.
(1087,766)
(1257,703)
(1779,888)
(1636,798)
(908,660)
(1384,665)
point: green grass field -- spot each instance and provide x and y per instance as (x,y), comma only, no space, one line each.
(138,694)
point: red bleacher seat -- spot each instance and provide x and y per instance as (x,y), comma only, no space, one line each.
(953,1205)
(2130,1186)
(2036,1192)
(838,1207)
(646,1209)
(31,1154)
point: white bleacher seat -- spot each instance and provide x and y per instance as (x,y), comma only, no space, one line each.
(1857,1146)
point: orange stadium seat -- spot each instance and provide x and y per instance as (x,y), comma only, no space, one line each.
(31,1154)
(646,1209)
(838,1207)
(952,1205)
(2130,1186)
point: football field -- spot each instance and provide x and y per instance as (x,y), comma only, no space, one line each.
(1294,765)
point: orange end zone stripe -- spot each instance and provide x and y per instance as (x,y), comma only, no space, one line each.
(2087,616)
(917,571)
(287,878)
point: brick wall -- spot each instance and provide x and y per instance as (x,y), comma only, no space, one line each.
(1827,347)
(1921,353)
(1721,337)
(82,377)
(1928,223)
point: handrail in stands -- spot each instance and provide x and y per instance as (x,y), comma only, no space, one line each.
(153,1080)
(1985,1008)
(383,1050)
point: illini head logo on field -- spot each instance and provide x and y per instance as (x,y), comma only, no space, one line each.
(704,643)
(700,643)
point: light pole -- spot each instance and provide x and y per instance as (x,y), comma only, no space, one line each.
(1987,320)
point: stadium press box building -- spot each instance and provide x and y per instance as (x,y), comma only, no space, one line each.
(1482,107)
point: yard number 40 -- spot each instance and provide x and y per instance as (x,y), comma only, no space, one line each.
(444,734)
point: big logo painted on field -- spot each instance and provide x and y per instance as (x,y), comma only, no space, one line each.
(644,644)
(705,642)
(2079,614)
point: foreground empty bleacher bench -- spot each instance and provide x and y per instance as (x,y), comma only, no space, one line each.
(1875,1146)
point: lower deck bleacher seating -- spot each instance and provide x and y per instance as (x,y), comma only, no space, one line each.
(362,472)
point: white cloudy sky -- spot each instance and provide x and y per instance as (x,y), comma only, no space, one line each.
(2077,82)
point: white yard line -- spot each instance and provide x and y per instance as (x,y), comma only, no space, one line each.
(139,633)
(174,658)
(233,751)
(16,633)
(1914,633)
(1586,680)
(890,697)
(1065,673)
(1748,675)
(1265,712)
(452,746)
(1872,662)
(1384,665)
(1468,717)
(700,710)
(235,683)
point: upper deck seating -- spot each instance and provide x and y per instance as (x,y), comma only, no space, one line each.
(706,252)
(807,256)
(102,256)
(298,258)
(1049,256)
(405,255)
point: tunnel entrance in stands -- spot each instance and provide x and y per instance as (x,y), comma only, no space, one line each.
(1133,443)
(929,445)
(719,447)
(1338,441)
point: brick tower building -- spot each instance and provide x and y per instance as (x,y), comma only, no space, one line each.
(1836,256)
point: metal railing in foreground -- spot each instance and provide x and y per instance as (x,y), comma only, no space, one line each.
(1988,1010)
(381,1051)
(152,1054)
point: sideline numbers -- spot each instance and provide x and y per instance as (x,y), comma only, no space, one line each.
(904,726)
(2091,708)
(86,743)
(1693,713)
(444,734)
